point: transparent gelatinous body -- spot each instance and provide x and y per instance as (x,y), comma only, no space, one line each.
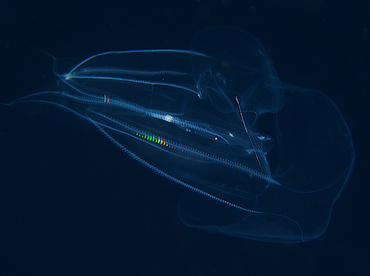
(264,160)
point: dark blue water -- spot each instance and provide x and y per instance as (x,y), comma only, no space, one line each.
(71,203)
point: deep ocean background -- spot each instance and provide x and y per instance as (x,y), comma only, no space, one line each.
(71,203)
